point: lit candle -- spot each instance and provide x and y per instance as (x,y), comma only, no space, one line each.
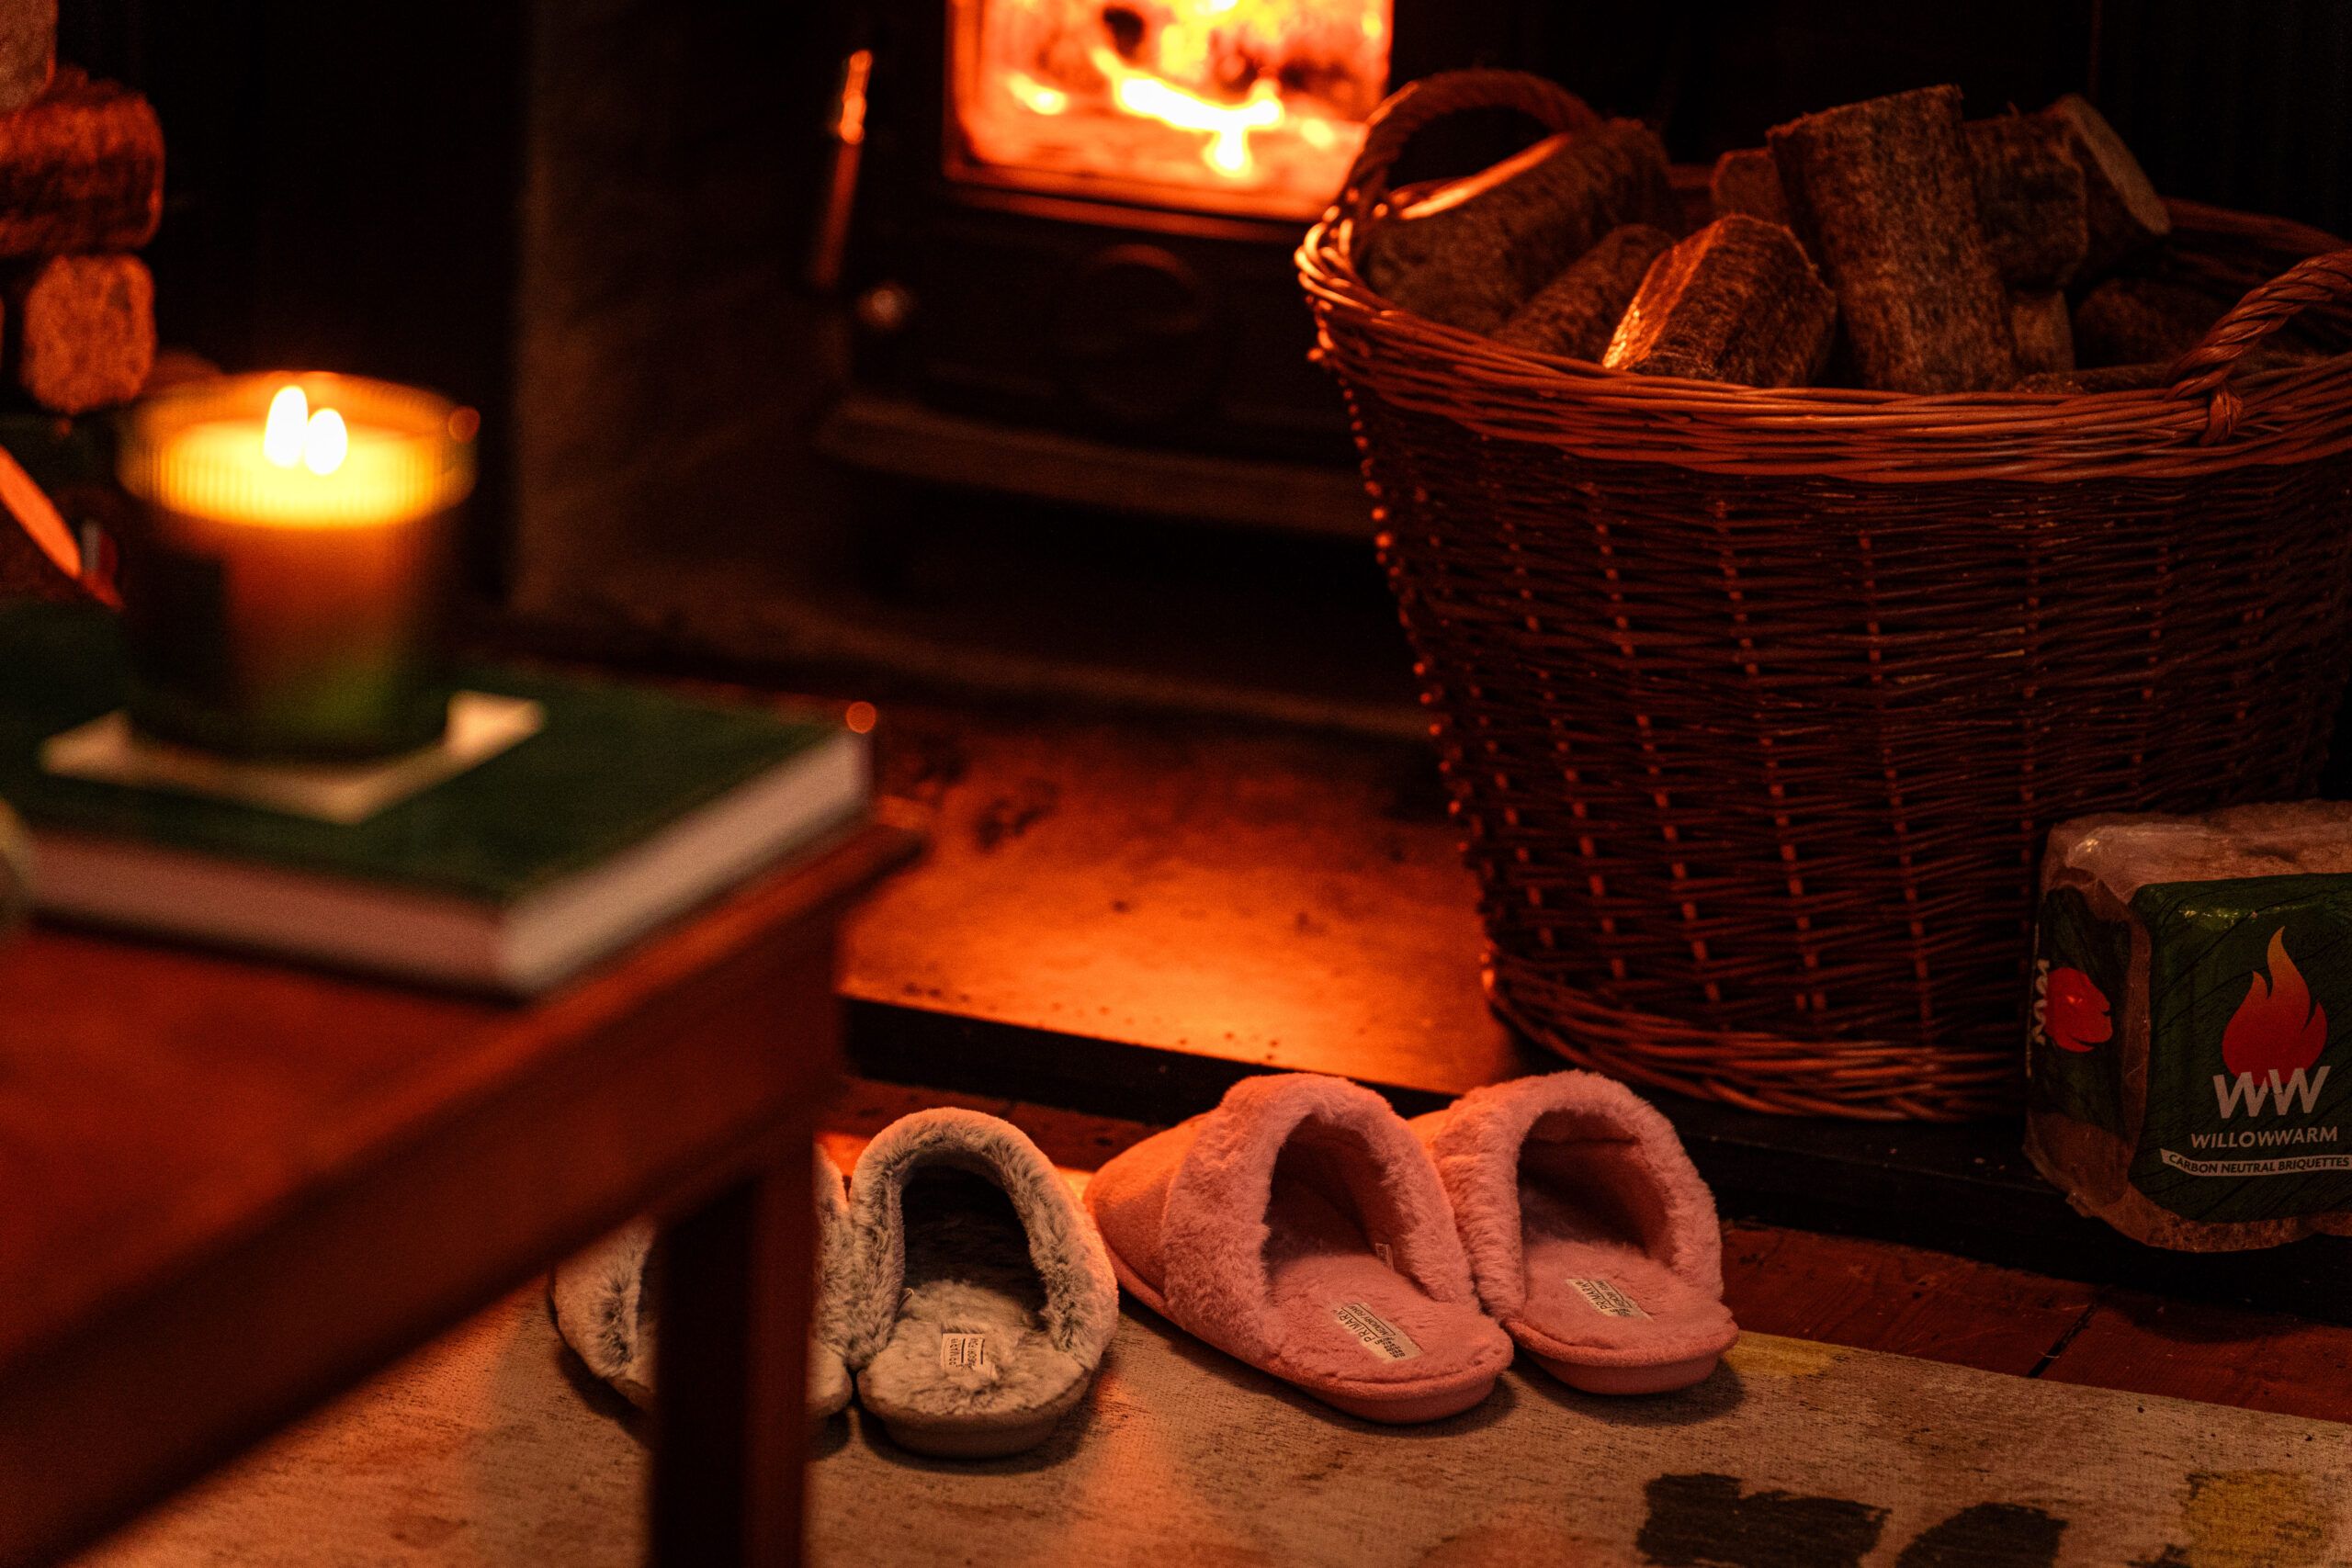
(284,587)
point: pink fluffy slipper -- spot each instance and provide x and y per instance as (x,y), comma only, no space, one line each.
(1590,1233)
(1300,1227)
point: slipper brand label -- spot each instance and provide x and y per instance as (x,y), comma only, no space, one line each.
(963,1350)
(1379,1335)
(1607,1299)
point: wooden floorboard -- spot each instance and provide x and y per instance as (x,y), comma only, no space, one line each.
(2187,1350)
(1877,1296)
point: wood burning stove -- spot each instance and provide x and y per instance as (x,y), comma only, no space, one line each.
(1064,229)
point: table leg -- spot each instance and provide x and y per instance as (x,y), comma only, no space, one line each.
(731,1408)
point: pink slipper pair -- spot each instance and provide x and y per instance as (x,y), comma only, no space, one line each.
(1302,1227)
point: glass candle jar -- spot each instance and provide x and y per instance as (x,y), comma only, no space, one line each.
(286,573)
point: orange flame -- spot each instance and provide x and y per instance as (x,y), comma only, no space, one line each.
(1253,105)
(1153,97)
(2278,1027)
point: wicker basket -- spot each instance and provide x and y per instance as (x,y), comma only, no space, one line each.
(1757,705)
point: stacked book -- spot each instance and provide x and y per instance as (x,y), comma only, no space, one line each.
(568,817)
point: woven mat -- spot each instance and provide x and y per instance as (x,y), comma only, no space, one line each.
(492,1449)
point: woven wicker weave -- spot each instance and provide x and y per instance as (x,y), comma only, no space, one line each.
(1757,705)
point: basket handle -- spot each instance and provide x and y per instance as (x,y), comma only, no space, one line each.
(2205,370)
(1422,104)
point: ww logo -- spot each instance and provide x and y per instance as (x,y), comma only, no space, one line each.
(2280,1095)
(2272,1042)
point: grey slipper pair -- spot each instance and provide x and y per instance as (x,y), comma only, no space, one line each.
(958,1282)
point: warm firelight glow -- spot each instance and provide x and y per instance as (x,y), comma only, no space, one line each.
(1232,105)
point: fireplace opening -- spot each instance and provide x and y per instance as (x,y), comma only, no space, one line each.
(1252,106)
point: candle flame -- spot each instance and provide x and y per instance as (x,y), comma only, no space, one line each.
(324,441)
(281,436)
(294,435)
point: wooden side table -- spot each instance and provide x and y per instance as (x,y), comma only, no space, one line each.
(230,1188)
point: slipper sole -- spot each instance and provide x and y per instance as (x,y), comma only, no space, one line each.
(1663,1377)
(965,1439)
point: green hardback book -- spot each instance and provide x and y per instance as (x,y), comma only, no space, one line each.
(627,807)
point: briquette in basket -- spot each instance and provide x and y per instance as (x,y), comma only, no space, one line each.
(1576,313)
(2029,197)
(1736,301)
(1471,253)
(2044,334)
(1747,181)
(1882,195)
(2101,379)
(2191,1047)
(2124,214)
(2132,321)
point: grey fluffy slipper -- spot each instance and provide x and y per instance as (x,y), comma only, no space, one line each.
(604,1305)
(982,1299)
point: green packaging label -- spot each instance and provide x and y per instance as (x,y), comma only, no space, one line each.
(2250,1075)
(2081,966)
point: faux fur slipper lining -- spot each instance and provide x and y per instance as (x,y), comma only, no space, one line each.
(1213,1230)
(1081,1309)
(982,1300)
(604,1306)
(599,1299)
(1607,1173)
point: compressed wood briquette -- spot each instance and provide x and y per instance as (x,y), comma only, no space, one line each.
(1880,193)
(1474,251)
(1747,181)
(2181,1051)
(1576,313)
(2029,197)
(81,331)
(2106,379)
(28,51)
(2045,336)
(2122,213)
(2129,320)
(1736,301)
(2133,320)
(81,170)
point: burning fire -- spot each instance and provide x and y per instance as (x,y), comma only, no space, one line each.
(2278,1028)
(1257,105)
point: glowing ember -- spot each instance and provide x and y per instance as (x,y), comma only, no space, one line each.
(1242,105)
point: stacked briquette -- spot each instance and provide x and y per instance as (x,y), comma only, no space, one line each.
(1889,244)
(80,190)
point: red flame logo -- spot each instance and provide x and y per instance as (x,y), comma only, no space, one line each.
(2074,1010)
(2278,1028)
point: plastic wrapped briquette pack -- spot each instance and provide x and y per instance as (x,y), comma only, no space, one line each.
(2189,1048)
